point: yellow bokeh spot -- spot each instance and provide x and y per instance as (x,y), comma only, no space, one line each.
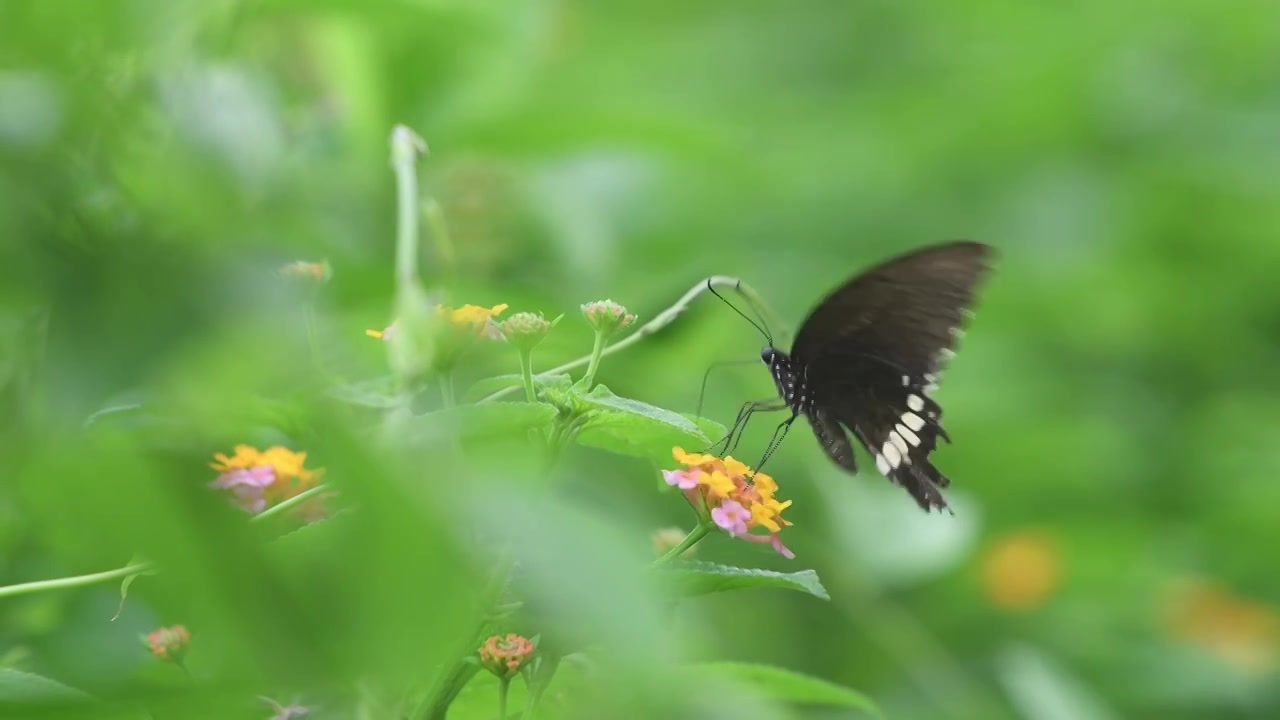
(1242,632)
(1020,571)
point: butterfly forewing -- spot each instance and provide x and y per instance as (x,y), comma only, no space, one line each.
(871,353)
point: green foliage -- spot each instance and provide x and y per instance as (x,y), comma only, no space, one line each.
(692,578)
(1111,404)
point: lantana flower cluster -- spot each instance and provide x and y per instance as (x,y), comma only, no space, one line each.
(504,656)
(168,643)
(737,499)
(258,479)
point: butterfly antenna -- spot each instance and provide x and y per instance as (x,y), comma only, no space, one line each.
(758,326)
(755,309)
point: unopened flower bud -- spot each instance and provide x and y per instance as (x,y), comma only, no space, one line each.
(667,539)
(607,317)
(525,330)
(504,657)
(168,643)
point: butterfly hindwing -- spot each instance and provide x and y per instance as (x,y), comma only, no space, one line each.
(872,351)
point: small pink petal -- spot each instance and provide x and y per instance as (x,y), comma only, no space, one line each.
(683,479)
(731,516)
(773,540)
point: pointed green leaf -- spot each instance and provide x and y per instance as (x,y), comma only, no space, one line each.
(23,688)
(691,578)
(786,685)
(631,427)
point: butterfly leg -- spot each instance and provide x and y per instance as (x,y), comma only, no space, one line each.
(779,434)
(729,442)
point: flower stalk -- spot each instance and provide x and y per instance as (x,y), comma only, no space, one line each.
(596,352)
(693,538)
(526,374)
(75,581)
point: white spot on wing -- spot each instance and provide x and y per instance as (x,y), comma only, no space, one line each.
(882,465)
(891,454)
(912,420)
(899,443)
(914,402)
(907,435)
(905,381)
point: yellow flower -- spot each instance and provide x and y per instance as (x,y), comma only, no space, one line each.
(717,483)
(764,484)
(246,456)
(467,317)
(693,459)
(470,316)
(735,467)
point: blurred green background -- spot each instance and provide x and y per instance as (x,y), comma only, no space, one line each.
(1113,550)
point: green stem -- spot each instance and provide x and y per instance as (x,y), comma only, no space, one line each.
(292,502)
(596,351)
(503,685)
(76,581)
(526,374)
(689,541)
(662,320)
(446,389)
(405,148)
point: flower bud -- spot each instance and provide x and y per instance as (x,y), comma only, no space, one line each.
(168,643)
(503,657)
(526,330)
(607,317)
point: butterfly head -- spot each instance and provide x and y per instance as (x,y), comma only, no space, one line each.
(770,355)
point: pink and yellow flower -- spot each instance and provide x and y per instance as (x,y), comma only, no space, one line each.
(259,479)
(736,498)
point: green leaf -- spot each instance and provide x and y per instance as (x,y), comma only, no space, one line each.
(485,420)
(692,578)
(487,386)
(785,685)
(124,586)
(22,688)
(631,427)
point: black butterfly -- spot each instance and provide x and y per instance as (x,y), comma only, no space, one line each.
(868,358)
